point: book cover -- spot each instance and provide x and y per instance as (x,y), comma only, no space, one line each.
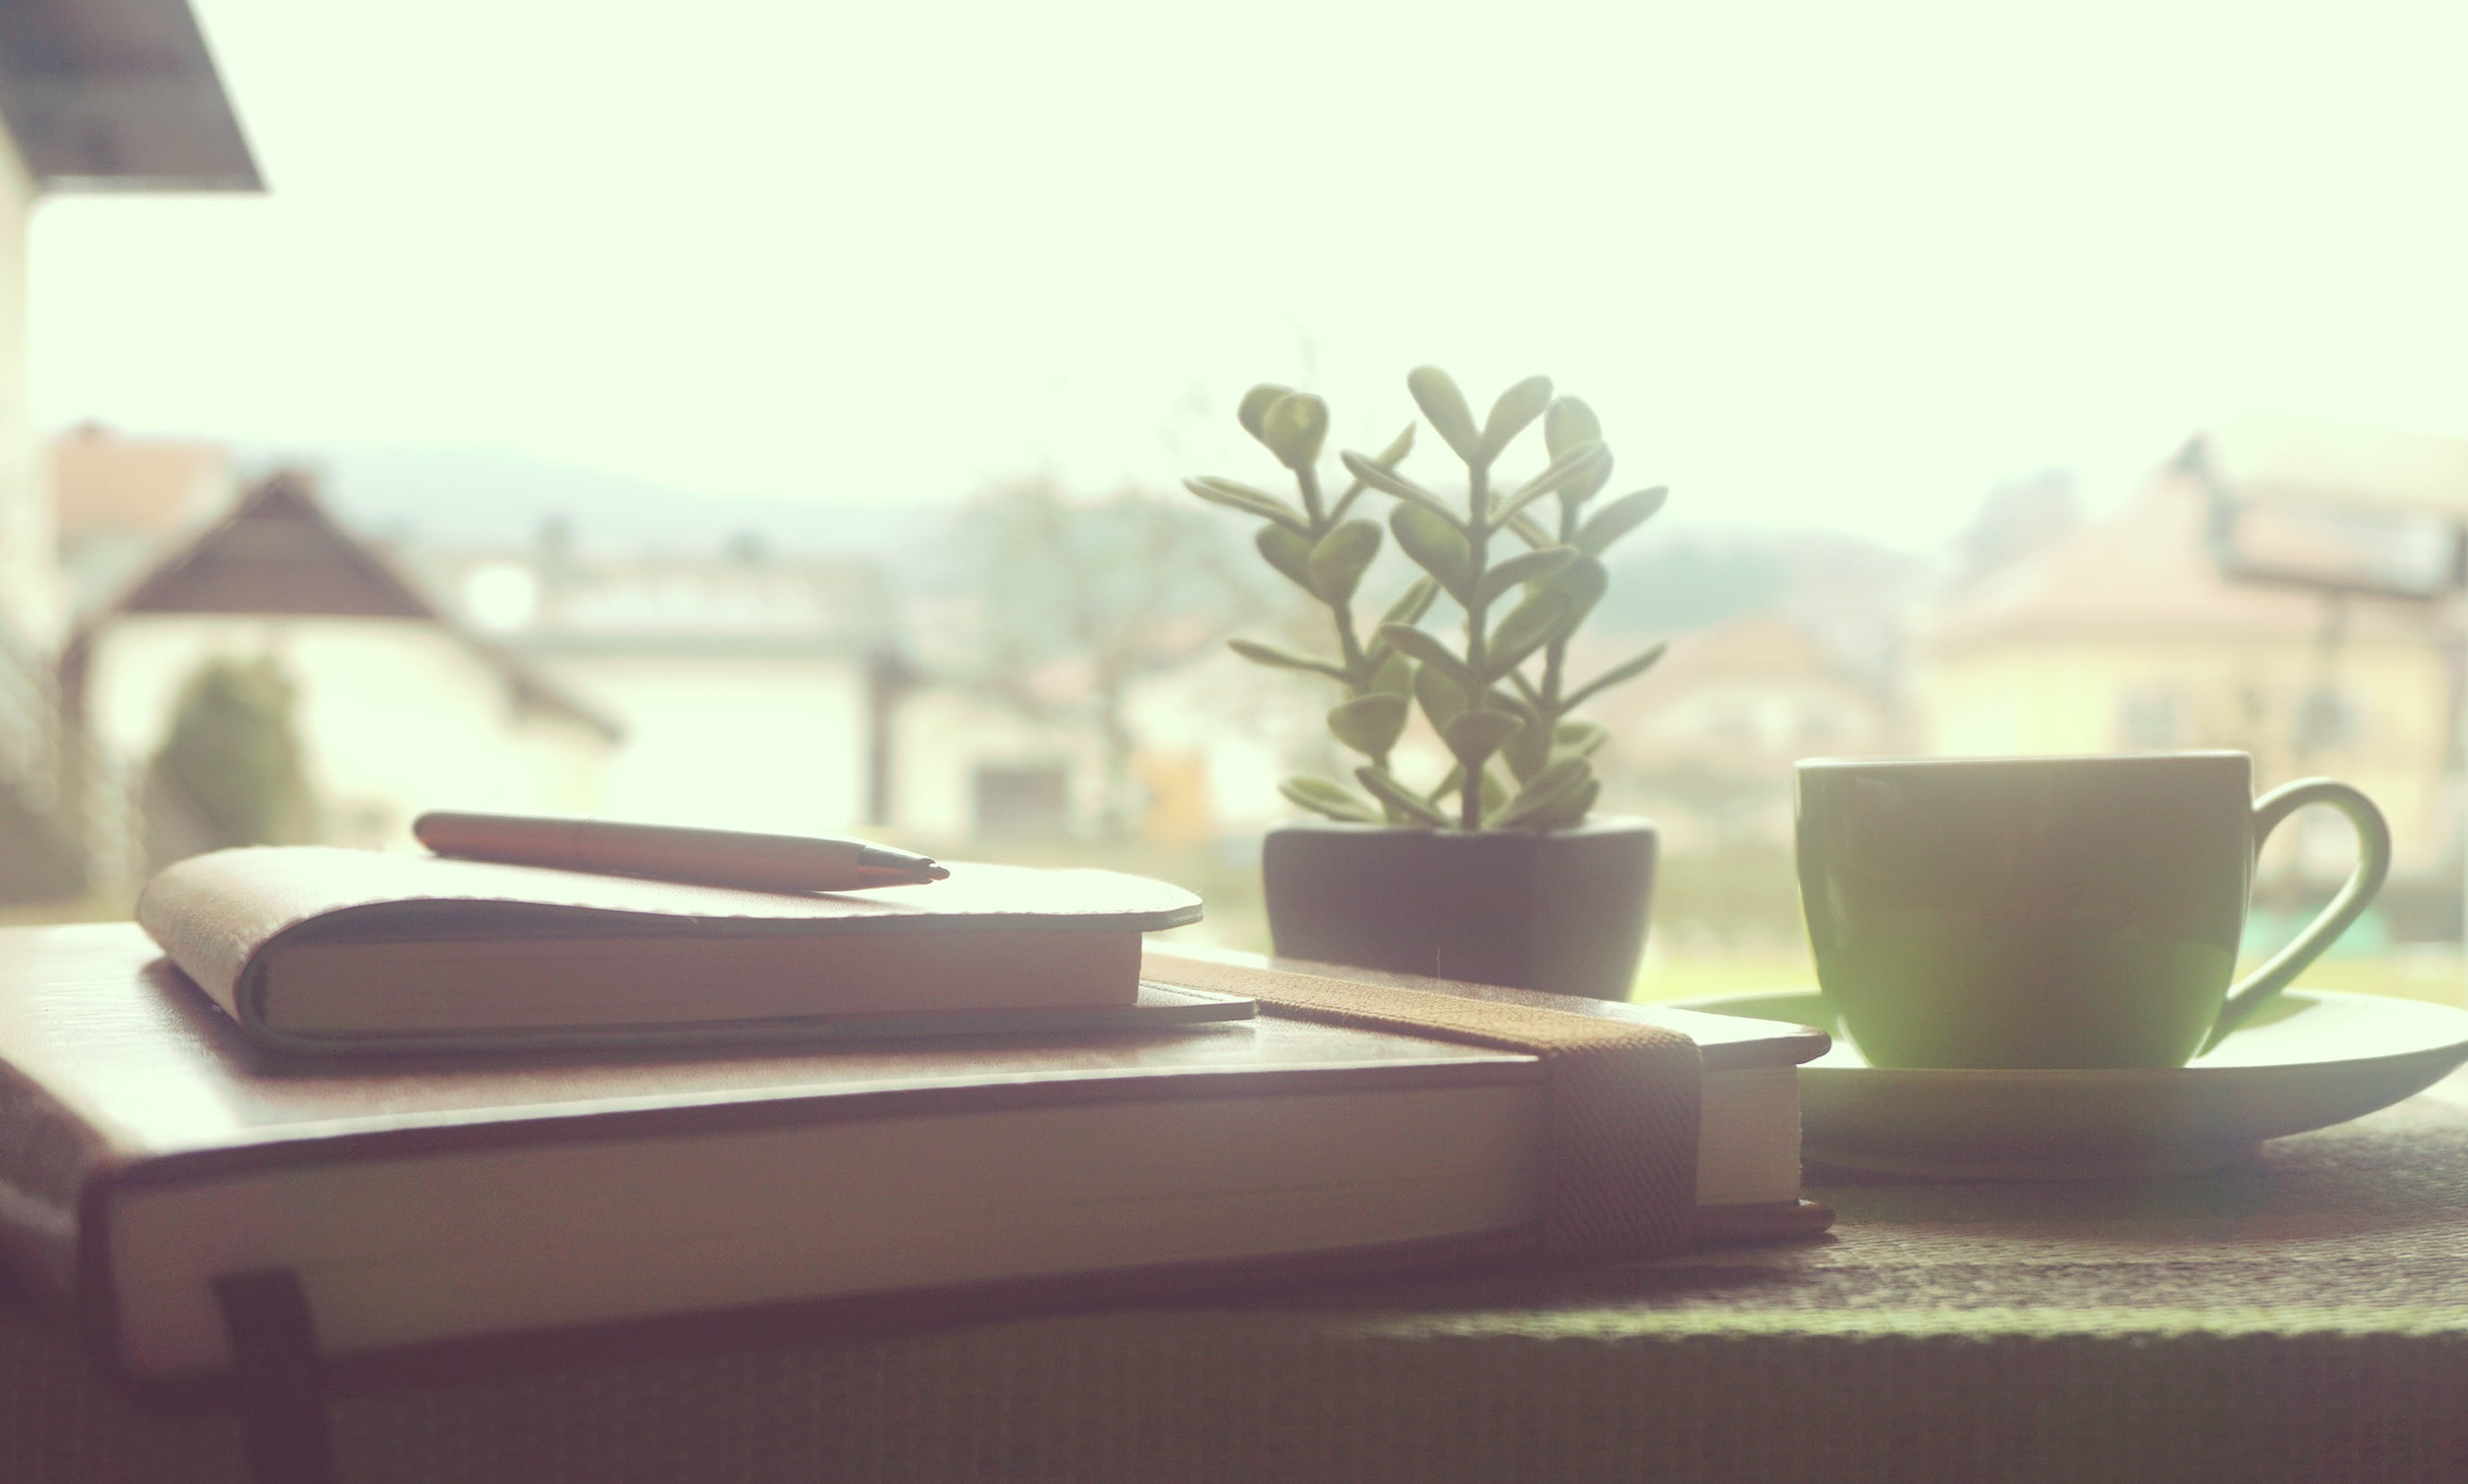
(147,1148)
(343,950)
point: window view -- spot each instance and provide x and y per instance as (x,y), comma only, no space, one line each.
(378,468)
(1316,740)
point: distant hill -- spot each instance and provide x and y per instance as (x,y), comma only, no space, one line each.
(1679,579)
(1669,581)
(478,497)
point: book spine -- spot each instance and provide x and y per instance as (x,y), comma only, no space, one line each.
(211,940)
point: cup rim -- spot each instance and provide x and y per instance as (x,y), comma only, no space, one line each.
(2188,755)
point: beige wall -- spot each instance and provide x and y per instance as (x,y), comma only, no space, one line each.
(2070,697)
(395,717)
(945,734)
(28,582)
(774,744)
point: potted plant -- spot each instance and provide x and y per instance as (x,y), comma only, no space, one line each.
(1496,872)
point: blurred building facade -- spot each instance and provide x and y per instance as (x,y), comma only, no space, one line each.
(1703,743)
(742,688)
(400,708)
(2125,635)
(754,690)
(95,94)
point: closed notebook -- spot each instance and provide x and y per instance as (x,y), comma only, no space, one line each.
(343,950)
(435,1203)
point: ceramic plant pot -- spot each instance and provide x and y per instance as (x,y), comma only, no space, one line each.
(1562,912)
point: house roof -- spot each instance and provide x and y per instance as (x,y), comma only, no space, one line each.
(279,554)
(2143,575)
(2364,466)
(154,487)
(118,95)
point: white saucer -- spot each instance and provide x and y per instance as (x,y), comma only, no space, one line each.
(2311,1058)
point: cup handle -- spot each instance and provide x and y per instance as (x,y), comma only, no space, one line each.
(2373,864)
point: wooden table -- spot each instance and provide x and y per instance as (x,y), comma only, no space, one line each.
(2305,1319)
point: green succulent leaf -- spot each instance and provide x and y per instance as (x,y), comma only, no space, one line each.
(1279,657)
(1579,737)
(1289,552)
(1415,602)
(1568,424)
(1527,627)
(1529,530)
(1474,736)
(1528,753)
(1618,674)
(1336,564)
(1394,674)
(1389,792)
(1513,414)
(1255,405)
(1369,724)
(1437,546)
(1442,700)
(1494,793)
(1238,495)
(1618,518)
(1566,811)
(1398,485)
(1436,393)
(1427,651)
(1389,458)
(1583,462)
(1321,796)
(1545,791)
(1582,581)
(1519,701)
(1533,566)
(1584,486)
(1293,427)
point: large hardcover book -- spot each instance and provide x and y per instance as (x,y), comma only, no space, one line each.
(148,1150)
(352,951)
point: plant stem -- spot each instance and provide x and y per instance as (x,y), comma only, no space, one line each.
(1355,663)
(1555,654)
(1308,480)
(1357,673)
(1478,544)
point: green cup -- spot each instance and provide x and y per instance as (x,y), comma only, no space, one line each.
(2044,912)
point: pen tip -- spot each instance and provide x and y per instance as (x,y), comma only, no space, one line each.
(934,873)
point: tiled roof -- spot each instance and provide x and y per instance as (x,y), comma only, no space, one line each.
(2142,574)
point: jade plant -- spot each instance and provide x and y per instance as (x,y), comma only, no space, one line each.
(1500,699)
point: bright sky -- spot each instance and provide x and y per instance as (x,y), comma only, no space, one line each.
(1840,266)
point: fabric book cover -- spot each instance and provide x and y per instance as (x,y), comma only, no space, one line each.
(430,1203)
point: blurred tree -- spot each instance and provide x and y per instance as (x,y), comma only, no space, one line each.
(1078,601)
(231,757)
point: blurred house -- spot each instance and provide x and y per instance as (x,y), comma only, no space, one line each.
(1211,738)
(120,501)
(400,708)
(2125,635)
(1705,741)
(755,691)
(95,94)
